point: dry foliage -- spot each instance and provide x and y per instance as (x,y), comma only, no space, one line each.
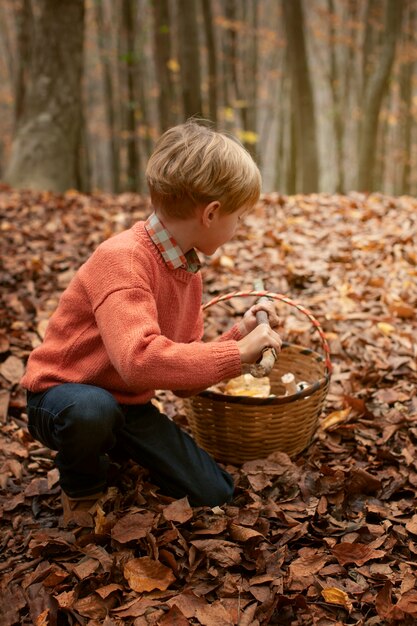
(327,538)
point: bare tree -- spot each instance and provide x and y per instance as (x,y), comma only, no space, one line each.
(241,62)
(375,89)
(303,101)
(189,59)
(407,73)
(103,35)
(336,91)
(162,34)
(7,41)
(211,59)
(129,103)
(48,115)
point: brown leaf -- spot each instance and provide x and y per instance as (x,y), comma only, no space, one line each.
(242,534)
(178,511)
(310,562)
(383,602)
(357,553)
(107,590)
(389,396)
(362,482)
(223,552)
(4,342)
(93,606)
(214,614)
(12,369)
(174,617)
(402,309)
(4,404)
(85,568)
(66,599)
(188,603)
(411,526)
(145,574)
(37,487)
(133,526)
(408,603)
(134,608)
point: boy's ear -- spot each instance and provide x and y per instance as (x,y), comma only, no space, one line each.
(209,212)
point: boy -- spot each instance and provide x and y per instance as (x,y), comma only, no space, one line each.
(130,322)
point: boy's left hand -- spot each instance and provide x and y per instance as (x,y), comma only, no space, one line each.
(248,321)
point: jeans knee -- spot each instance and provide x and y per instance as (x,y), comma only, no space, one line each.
(94,414)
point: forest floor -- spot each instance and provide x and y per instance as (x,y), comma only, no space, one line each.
(325,538)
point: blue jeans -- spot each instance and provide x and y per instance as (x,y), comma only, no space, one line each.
(85,423)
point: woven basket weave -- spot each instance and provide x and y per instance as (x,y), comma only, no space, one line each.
(235,429)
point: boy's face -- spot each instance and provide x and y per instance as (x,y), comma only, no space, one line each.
(221,230)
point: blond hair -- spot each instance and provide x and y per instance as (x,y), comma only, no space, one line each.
(193,165)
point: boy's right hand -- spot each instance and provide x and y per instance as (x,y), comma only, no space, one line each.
(253,344)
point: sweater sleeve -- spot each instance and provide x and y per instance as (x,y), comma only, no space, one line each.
(233,333)
(146,359)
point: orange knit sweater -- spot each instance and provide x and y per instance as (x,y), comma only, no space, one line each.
(129,324)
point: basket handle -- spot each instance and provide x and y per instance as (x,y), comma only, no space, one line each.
(278,296)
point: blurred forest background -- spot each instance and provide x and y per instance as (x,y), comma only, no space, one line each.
(322,92)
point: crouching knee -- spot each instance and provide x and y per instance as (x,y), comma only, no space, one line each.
(95,414)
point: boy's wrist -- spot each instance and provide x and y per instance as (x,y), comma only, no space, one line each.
(241,326)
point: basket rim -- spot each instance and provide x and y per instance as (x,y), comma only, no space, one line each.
(274,400)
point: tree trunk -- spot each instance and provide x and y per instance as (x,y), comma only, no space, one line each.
(303,103)
(245,91)
(229,78)
(45,147)
(211,59)
(406,91)
(162,33)
(103,32)
(283,112)
(6,43)
(83,172)
(292,160)
(337,118)
(249,112)
(368,40)
(190,59)
(130,104)
(376,87)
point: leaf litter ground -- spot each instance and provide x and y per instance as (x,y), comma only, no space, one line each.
(328,537)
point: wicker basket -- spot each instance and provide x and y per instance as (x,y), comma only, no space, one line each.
(235,429)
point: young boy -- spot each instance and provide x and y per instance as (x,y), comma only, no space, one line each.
(130,322)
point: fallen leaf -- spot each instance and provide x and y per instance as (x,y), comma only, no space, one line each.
(334,419)
(133,526)
(223,552)
(337,596)
(12,369)
(145,574)
(411,526)
(386,329)
(357,553)
(178,511)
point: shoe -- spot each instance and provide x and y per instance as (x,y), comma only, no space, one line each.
(80,511)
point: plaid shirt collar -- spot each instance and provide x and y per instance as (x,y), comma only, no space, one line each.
(168,247)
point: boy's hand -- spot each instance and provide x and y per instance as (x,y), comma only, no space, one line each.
(255,342)
(248,322)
